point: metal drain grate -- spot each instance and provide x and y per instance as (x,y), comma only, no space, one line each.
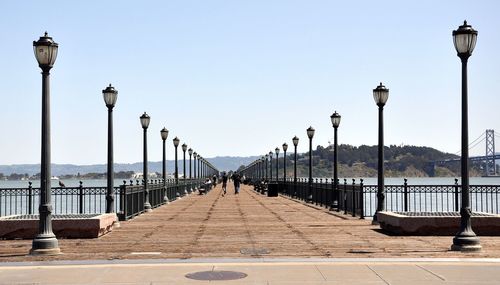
(254,251)
(216,275)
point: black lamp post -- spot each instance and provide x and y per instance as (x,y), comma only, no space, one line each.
(194,170)
(335,118)
(184,148)
(190,151)
(45,242)
(267,164)
(277,150)
(164,136)
(295,141)
(110,95)
(464,39)
(285,147)
(270,166)
(380,94)
(262,170)
(310,135)
(176,176)
(145,123)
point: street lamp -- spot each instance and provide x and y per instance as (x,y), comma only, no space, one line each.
(335,118)
(176,144)
(277,150)
(270,166)
(285,147)
(295,141)
(164,136)
(380,95)
(45,243)
(145,123)
(310,135)
(190,151)
(184,148)
(110,95)
(267,164)
(464,39)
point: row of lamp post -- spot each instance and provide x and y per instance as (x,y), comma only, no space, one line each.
(45,242)
(464,39)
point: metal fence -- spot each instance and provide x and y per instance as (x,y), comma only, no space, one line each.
(128,198)
(347,197)
(355,198)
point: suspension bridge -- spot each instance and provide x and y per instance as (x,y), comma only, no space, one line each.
(488,161)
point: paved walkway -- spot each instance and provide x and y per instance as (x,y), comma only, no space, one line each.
(318,271)
(242,226)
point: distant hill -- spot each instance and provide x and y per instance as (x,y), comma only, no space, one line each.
(354,161)
(361,161)
(224,163)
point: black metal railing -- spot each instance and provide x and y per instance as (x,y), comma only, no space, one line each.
(128,198)
(347,197)
(360,200)
(433,198)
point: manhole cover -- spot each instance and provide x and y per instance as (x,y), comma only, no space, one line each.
(216,275)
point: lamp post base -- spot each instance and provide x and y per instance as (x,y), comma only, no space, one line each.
(466,243)
(45,245)
(147,207)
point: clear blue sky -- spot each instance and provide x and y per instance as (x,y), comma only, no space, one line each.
(242,77)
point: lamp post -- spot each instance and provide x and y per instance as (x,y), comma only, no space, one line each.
(295,141)
(285,147)
(45,242)
(270,166)
(164,136)
(464,39)
(184,148)
(190,151)
(335,118)
(194,171)
(380,95)
(145,123)
(277,150)
(310,135)
(267,164)
(110,95)
(176,176)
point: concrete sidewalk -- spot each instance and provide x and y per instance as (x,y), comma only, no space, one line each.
(257,271)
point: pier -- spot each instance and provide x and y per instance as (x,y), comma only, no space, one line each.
(247,225)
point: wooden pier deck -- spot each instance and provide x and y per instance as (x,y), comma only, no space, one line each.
(245,226)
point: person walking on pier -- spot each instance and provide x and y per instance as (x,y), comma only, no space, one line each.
(224,183)
(237,182)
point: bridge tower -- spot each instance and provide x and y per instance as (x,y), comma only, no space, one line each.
(490,153)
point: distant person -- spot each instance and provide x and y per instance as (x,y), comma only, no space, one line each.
(214,178)
(237,182)
(224,184)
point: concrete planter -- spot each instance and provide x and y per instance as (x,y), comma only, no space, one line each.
(436,223)
(64,226)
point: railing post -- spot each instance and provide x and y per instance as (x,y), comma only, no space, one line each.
(456,195)
(337,193)
(80,196)
(361,200)
(30,198)
(405,195)
(353,210)
(345,196)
